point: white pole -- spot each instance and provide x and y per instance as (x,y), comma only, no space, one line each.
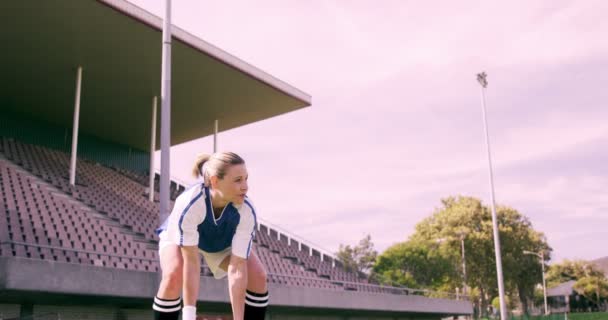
(541,256)
(215,129)
(165,126)
(152,148)
(501,290)
(464,268)
(75,126)
(542,263)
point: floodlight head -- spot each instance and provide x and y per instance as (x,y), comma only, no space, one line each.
(482,79)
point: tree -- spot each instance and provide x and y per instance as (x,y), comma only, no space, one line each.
(593,288)
(524,272)
(571,270)
(360,258)
(591,282)
(414,265)
(466,220)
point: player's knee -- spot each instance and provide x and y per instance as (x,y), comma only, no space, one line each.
(263,276)
(173,277)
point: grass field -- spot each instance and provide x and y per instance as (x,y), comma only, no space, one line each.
(589,316)
(571,316)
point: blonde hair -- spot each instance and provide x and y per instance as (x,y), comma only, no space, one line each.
(215,164)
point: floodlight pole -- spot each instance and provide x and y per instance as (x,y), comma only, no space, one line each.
(75,126)
(152,148)
(481,78)
(215,130)
(464,266)
(165,126)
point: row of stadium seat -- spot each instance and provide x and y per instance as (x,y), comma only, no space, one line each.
(107,220)
(98,187)
(39,223)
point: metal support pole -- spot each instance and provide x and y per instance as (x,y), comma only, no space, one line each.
(464,268)
(541,256)
(481,77)
(165,126)
(215,130)
(597,291)
(542,263)
(152,148)
(75,126)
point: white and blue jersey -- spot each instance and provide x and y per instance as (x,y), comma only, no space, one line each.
(192,223)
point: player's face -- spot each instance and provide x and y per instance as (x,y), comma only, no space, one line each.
(234,185)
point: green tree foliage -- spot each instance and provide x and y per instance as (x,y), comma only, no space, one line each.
(408,264)
(571,270)
(591,282)
(432,256)
(593,288)
(360,258)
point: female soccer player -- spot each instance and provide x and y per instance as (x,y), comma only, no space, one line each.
(216,219)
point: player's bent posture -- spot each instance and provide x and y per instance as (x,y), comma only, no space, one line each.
(217,220)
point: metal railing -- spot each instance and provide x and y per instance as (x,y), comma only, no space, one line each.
(280,230)
(306,281)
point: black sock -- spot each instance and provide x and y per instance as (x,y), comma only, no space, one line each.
(255,305)
(167,309)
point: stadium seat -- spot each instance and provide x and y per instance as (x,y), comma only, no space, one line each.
(106,220)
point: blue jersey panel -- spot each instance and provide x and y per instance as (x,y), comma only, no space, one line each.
(216,235)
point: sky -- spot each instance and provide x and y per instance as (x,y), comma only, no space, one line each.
(396,125)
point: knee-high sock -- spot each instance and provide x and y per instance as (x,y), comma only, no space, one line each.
(189,313)
(166,309)
(255,305)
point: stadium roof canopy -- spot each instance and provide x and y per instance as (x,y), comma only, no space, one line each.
(119,47)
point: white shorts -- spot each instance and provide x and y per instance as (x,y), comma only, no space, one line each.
(213,260)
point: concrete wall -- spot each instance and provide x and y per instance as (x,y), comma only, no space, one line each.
(63,312)
(8,311)
(42,282)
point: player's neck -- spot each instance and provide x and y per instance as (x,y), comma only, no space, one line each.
(216,201)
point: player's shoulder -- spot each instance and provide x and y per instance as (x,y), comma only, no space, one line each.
(248,208)
(192,193)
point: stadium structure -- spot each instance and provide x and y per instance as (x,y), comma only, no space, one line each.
(82,75)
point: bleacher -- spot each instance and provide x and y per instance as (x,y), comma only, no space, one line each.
(107,220)
(42,223)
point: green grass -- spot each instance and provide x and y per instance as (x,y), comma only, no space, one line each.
(589,316)
(571,316)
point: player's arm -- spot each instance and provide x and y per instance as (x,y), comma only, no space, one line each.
(237,269)
(191,274)
(237,284)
